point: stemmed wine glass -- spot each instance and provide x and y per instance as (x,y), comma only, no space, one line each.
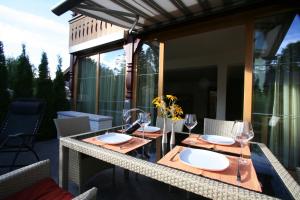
(125,116)
(244,133)
(144,119)
(190,121)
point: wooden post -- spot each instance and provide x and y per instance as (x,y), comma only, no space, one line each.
(130,48)
(161,68)
(248,72)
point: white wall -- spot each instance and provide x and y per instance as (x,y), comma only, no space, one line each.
(220,48)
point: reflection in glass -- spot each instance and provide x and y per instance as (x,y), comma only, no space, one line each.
(147,77)
(111,84)
(276,94)
(86,86)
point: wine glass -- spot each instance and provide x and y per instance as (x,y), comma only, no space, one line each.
(144,119)
(190,121)
(125,116)
(244,133)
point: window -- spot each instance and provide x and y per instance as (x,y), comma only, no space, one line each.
(112,84)
(276,91)
(86,86)
(147,77)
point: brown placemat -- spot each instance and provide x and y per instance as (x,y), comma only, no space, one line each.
(125,147)
(248,174)
(194,140)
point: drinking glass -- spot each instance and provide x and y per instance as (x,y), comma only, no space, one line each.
(190,121)
(244,133)
(144,119)
(125,116)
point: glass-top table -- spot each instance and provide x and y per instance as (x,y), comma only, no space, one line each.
(275,181)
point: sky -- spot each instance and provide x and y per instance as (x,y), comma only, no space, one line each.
(32,23)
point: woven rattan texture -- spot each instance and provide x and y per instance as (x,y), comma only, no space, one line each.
(192,183)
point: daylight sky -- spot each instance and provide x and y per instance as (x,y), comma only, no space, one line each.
(31,22)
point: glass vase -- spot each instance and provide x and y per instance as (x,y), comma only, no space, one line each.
(164,132)
(172,140)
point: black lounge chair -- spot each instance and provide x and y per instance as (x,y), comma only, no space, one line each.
(18,130)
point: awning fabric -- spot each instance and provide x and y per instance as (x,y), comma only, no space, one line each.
(143,15)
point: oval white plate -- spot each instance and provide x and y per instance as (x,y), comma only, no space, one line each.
(217,139)
(114,138)
(203,159)
(150,129)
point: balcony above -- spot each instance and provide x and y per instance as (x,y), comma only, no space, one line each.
(86,32)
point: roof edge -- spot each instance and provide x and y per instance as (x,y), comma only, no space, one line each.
(65,6)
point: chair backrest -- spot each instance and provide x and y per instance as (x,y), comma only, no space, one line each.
(218,127)
(178,126)
(24,116)
(72,126)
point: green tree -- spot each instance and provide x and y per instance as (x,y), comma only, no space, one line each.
(4,95)
(60,101)
(44,90)
(23,85)
(11,64)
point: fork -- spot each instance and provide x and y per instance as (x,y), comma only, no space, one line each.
(172,158)
(238,174)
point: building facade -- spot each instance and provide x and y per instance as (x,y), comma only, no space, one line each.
(229,60)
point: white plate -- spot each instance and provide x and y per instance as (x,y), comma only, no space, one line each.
(217,139)
(113,138)
(150,129)
(203,159)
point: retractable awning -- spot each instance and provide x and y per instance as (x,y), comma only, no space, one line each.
(145,15)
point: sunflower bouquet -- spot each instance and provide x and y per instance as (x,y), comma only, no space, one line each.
(167,107)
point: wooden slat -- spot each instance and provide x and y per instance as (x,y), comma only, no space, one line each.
(248,71)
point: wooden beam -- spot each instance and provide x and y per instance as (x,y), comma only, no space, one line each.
(97,85)
(248,71)
(161,65)
(75,82)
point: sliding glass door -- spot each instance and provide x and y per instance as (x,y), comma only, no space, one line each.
(112,84)
(276,89)
(86,84)
(147,78)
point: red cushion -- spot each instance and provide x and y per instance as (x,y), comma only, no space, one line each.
(42,190)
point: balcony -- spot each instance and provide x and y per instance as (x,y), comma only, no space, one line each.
(84,29)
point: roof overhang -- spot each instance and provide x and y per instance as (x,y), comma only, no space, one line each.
(145,15)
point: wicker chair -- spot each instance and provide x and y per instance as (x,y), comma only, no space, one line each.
(81,167)
(24,177)
(177,127)
(218,127)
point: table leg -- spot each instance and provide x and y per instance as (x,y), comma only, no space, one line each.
(63,166)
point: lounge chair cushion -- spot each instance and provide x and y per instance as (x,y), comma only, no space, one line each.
(44,189)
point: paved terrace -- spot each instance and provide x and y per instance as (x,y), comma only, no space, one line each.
(136,187)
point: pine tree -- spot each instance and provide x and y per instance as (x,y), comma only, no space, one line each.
(11,64)
(4,95)
(44,90)
(23,85)
(44,83)
(60,100)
